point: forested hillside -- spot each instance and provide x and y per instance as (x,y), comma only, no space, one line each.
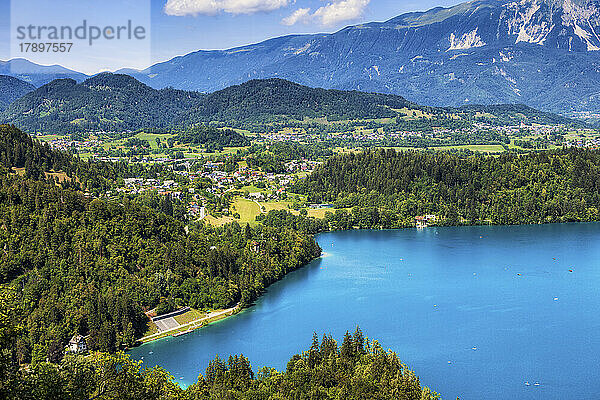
(358,369)
(118,102)
(273,99)
(112,102)
(388,189)
(105,102)
(82,265)
(11,89)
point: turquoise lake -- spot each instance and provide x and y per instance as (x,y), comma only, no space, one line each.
(449,301)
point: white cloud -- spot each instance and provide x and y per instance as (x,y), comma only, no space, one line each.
(300,15)
(211,7)
(341,11)
(331,14)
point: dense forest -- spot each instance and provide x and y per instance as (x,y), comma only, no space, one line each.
(105,102)
(387,189)
(274,99)
(77,264)
(358,369)
(11,89)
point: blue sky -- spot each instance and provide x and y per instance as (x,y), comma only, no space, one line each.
(182,26)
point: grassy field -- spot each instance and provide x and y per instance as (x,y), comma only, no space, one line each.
(189,151)
(275,205)
(226,151)
(251,189)
(48,138)
(189,316)
(189,325)
(576,136)
(151,138)
(284,205)
(85,156)
(319,212)
(414,114)
(513,146)
(247,209)
(152,328)
(218,221)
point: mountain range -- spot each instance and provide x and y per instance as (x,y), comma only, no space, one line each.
(37,75)
(118,102)
(542,53)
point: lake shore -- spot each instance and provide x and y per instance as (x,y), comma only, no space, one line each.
(204,321)
(482,302)
(192,325)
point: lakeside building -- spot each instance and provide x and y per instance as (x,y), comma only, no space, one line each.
(424,221)
(77,344)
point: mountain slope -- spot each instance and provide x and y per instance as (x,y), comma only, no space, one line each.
(542,53)
(36,74)
(113,102)
(273,98)
(105,102)
(11,89)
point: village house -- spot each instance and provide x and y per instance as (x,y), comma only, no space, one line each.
(77,344)
(256,196)
(425,220)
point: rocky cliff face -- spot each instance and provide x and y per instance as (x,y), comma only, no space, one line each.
(544,53)
(567,25)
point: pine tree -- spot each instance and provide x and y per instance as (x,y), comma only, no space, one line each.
(359,341)
(347,349)
(314,351)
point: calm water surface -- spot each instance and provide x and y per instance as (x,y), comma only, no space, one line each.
(449,301)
